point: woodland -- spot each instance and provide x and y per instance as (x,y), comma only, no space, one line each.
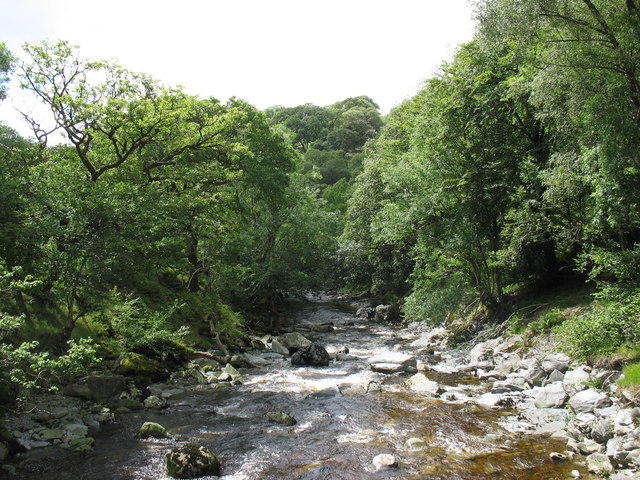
(505,189)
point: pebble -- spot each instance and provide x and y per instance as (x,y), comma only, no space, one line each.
(384,461)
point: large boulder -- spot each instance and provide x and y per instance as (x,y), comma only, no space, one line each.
(312,355)
(98,388)
(588,400)
(293,341)
(143,369)
(191,461)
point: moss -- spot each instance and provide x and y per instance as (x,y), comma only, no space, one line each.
(143,369)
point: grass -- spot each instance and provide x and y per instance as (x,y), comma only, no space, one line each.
(631,378)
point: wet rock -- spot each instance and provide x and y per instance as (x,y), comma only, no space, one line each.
(241,361)
(4,452)
(127,403)
(384,461)
(587,401)
(281,418)
(551,396)
(293,341)
(392,362)
(152,430)
(558,457)
(191,461)
(98,388)
(155,402)
(85,444)
(420,383)
(599,464)
(313,355)
(415,443)
(229,373)
(76,430)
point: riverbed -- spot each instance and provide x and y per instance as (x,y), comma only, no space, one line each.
(346,415)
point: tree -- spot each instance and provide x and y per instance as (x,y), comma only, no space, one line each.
(6,65)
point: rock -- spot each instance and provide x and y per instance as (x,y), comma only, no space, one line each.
(143,369)
(155,402)
(50,434)
(588,400)
(230,370)
(366,313)
(574,380)
(602,430)
(293,341)
(535,377)
(384,461)
(489,400)
(555,376)
(76,430)
(82,444)
(240,361)
(392,362)
(625,421)
(558,457)
(281,418)
(551,396)
(4,452)
(556,361)
(588,446)
(599,464)
(415,443)
(191,461)
(387,313)
(312,355)
(98,388)
(277,347)
(152,430)
(420,383)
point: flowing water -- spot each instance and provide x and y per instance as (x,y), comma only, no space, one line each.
(346,415)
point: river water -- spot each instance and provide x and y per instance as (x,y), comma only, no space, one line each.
(346,415)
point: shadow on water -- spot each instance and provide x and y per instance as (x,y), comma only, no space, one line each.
(340,426)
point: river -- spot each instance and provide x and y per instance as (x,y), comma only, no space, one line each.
(346,415)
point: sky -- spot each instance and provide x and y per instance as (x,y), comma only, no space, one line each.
(268,52)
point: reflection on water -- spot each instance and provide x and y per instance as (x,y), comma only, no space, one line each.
(340,426)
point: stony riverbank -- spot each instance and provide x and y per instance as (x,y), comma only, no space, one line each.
(535,390)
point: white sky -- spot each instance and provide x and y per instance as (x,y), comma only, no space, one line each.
(277,52)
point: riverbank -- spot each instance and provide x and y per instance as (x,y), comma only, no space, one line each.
(503,406)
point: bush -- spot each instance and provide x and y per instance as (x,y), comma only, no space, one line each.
(606,329)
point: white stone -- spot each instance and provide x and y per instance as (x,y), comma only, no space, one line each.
(489,400)
(420,383)
(384,461)
(588,400)
(551,396)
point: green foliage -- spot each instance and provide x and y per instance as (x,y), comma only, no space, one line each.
(6,61)
(137,328)
(606,329)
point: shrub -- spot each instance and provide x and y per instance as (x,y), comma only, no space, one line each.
(607,328)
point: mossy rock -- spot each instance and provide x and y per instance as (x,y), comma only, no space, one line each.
(152,430)
(281,418)
(143,369)
(191,461)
